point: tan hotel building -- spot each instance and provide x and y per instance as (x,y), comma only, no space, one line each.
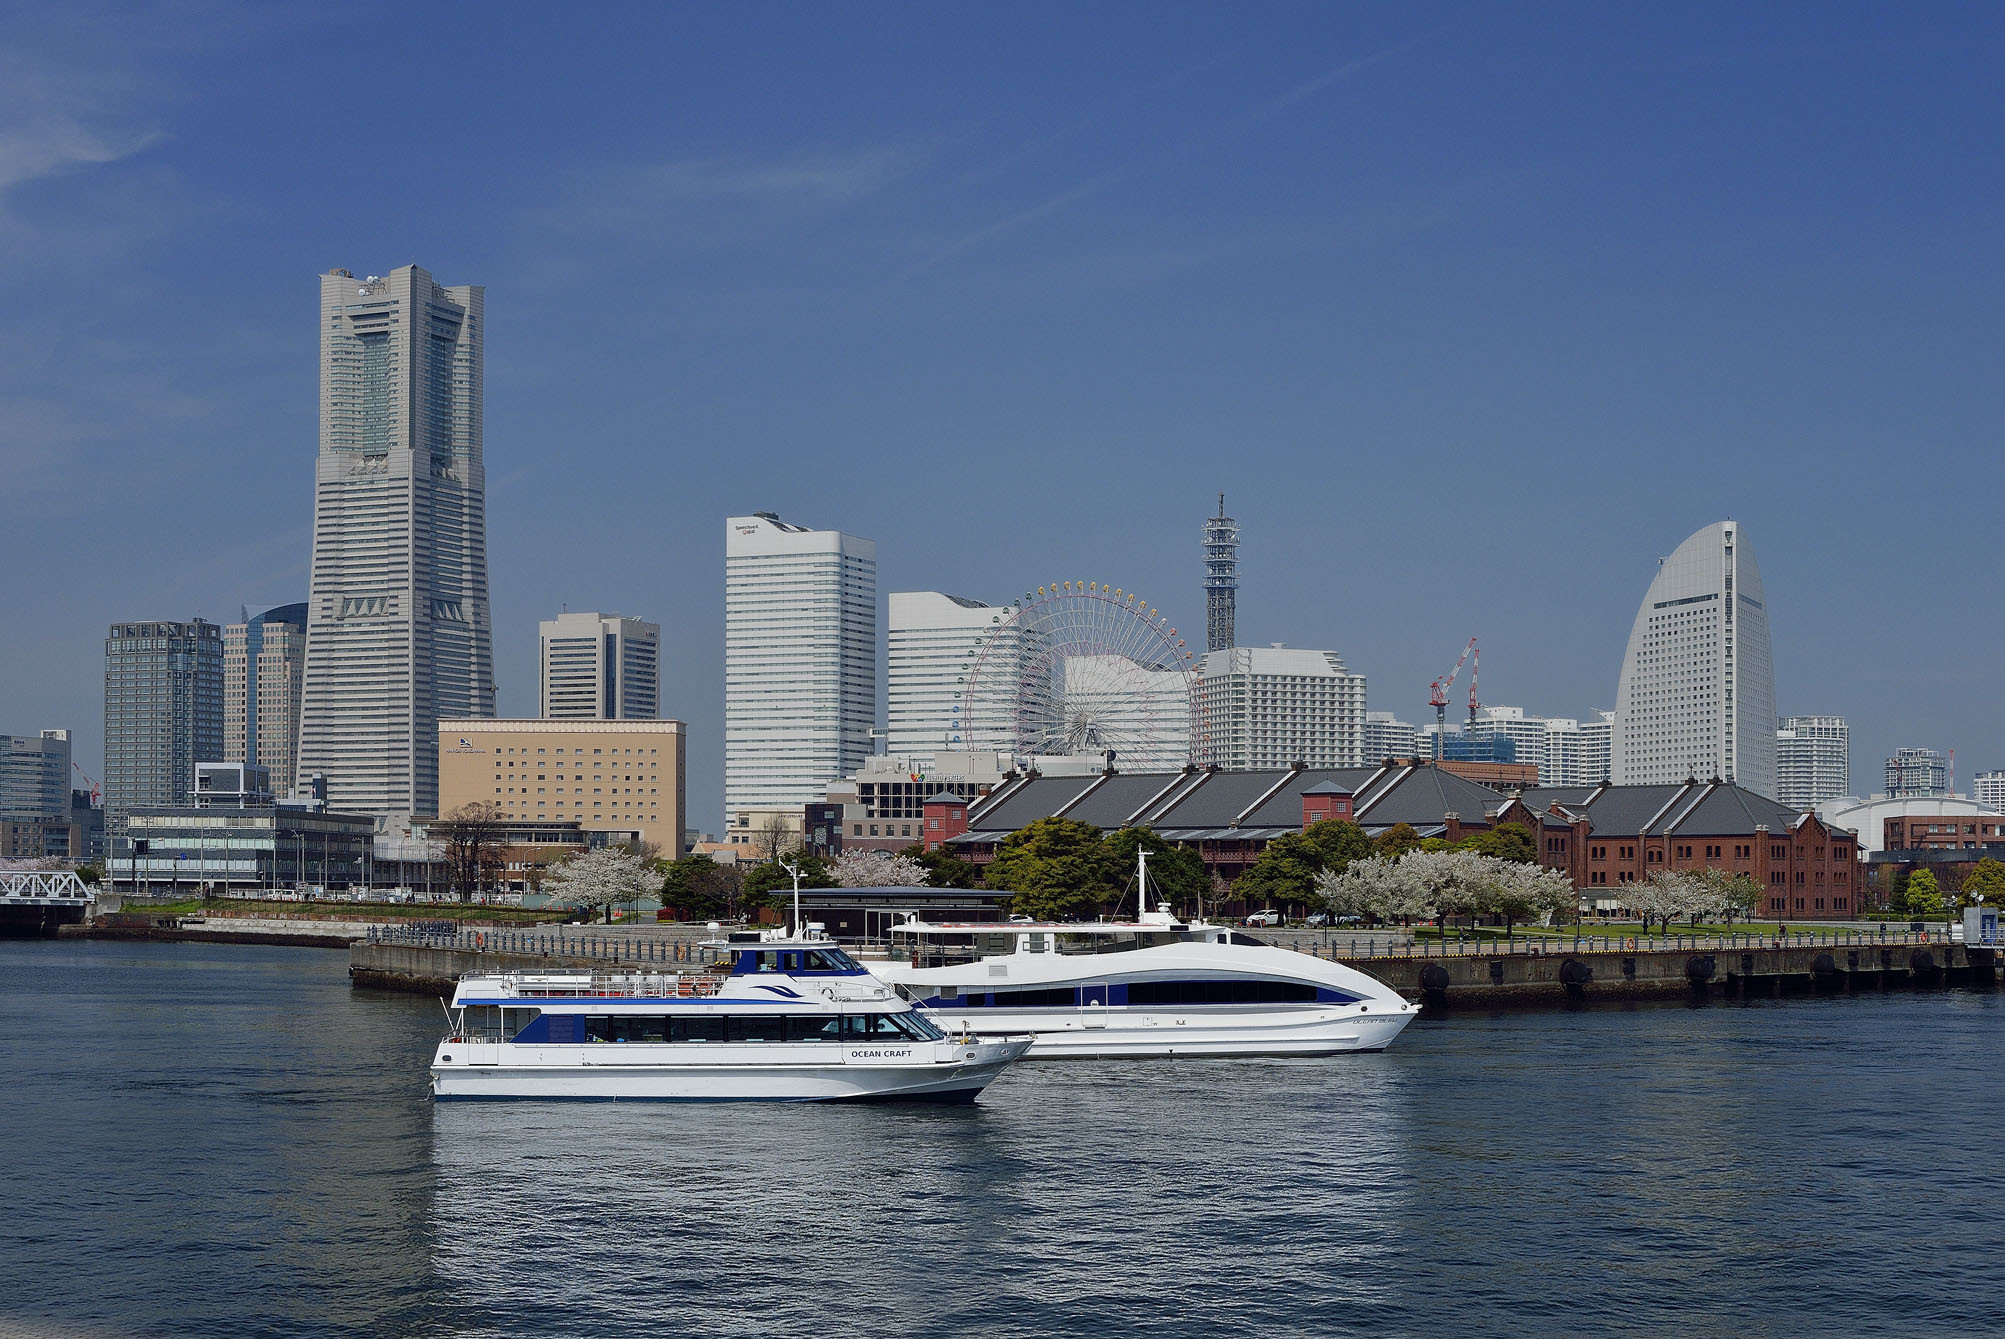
(611,776)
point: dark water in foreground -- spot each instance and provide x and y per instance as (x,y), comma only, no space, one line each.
(228,1141)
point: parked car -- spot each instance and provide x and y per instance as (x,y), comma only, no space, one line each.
(1263,918)
(1320,918)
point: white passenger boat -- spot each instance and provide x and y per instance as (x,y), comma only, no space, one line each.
(1152,987)
(779,1019)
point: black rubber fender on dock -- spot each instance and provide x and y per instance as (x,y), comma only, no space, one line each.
(1434,977)
(1574,973)
(1823,967)
(1921,960)
(1701,968)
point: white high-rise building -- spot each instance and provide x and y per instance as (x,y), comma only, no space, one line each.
(1813,760)
(1697,693)
(598,667)
(1988,788)
(1597,748)
(930,643)
(1917,773)
(1386,736)
(800,660)
(398,629)
(1564,751)
(1271,706)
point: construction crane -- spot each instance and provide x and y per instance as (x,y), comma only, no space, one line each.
(1437,696)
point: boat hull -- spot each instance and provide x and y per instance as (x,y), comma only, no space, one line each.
(1115,1033)
(944,1073)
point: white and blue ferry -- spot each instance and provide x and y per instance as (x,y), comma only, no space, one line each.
(1155,986)
(779,1019)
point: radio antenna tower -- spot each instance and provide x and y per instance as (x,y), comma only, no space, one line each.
(1221,578)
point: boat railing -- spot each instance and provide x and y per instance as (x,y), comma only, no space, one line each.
(1462,944)
(555,944)
(621,985)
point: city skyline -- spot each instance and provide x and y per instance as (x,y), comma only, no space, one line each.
(1050,304)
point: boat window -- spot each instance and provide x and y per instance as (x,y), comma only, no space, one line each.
(482,1020)
(820,1027)
(1220,992)
(790,961)
(598,1027)
(696,1027)
(755,1027)
(642,1028)
(879,1029)
(1062,998)
(513,1021)
(831,960)
(916,1026)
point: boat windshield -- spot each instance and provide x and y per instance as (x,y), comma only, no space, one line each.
(828,961)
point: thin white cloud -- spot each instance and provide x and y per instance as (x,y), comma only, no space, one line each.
(1114,176)
(49,142)
(712,200)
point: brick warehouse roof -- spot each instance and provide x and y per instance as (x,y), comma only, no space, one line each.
(1261,805)
(1251,806)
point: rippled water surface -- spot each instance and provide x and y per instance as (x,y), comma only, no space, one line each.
(229,1141)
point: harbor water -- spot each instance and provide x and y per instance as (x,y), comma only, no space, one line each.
(206,1140)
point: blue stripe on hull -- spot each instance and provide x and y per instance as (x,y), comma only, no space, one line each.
(956,1097)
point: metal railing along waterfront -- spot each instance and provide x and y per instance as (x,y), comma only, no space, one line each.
(1389,945)
(545,943)
(617,948)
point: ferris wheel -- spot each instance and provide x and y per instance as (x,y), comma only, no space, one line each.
(1081,668)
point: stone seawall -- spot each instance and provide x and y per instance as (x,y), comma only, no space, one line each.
(1565,978)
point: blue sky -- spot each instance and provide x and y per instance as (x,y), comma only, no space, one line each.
(1472,311)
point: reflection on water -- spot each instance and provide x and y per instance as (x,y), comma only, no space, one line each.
(226,1140)
(1072,1193)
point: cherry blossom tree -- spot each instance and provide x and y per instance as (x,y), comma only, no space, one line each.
(877,869)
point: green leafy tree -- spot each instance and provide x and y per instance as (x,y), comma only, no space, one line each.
(1396,841)
(94,874)
(1286,872)
(1507,841)
(1338,843)
(942,869)
(1054,869)
(1924,894)
(1176,873)
(700,888)
(1283,876)
(1986,880)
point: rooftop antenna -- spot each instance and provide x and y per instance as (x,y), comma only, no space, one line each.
(1221,578)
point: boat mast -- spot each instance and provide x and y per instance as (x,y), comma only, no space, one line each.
(794,869)
(1141,884)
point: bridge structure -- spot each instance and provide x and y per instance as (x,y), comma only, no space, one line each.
(36,902)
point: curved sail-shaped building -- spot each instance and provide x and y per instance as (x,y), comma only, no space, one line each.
(1697,695)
